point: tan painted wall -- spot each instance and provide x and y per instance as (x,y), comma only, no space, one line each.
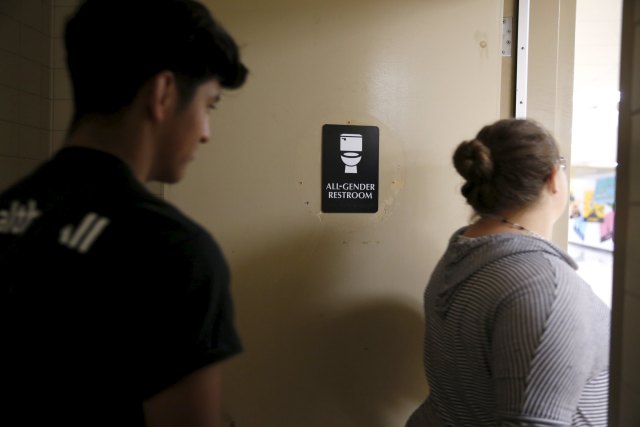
(329,305)
(625,354)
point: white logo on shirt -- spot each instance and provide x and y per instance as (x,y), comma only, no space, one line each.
(82,237)
(18,217)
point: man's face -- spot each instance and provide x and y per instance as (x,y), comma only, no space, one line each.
(186,128)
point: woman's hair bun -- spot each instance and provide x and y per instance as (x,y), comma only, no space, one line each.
(506,165)
(472,159)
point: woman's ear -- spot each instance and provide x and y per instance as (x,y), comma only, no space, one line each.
(162,95)
(552,181)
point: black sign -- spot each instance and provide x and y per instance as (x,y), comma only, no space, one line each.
(350,168)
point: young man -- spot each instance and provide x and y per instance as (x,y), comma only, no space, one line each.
(116,307)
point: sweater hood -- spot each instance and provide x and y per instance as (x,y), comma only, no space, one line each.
(465,256)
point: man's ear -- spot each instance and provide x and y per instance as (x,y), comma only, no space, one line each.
(162,95)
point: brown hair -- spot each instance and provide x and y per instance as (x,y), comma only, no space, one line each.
(506,165)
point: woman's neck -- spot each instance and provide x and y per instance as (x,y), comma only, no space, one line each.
(532,221)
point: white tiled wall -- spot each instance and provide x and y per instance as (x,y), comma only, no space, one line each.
(61,88)
(35,90)
(25,94)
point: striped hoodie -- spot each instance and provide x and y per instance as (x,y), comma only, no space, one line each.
(514,337)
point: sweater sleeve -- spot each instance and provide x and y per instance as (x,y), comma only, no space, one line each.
(541,355)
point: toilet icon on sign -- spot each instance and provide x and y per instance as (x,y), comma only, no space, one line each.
(351,149)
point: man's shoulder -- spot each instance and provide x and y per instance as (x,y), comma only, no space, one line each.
(148,224)
(124,215)
(162,219)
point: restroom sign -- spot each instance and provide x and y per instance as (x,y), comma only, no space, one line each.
(350,168)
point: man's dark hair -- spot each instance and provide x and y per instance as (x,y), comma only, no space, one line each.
(115,46)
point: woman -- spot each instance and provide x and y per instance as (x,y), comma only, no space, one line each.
(514,337)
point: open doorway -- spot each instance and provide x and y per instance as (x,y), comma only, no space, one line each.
(594,141)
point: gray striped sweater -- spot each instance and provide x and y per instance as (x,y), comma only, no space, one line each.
(514,337)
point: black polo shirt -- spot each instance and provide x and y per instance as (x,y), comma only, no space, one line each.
(111,294)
